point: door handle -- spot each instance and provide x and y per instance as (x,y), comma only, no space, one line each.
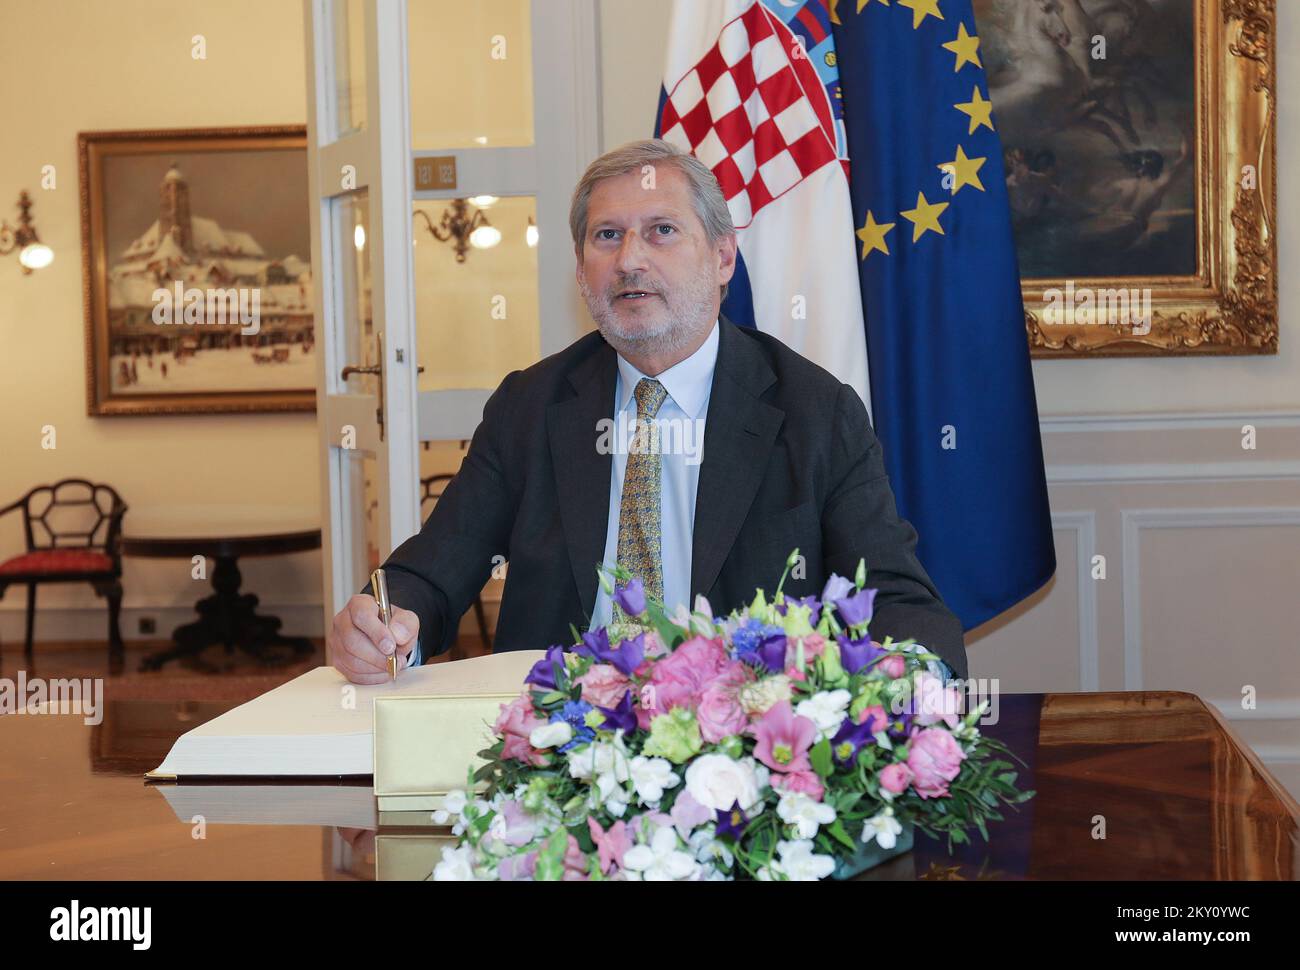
(376,370)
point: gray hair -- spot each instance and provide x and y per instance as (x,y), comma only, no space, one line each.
(706,195)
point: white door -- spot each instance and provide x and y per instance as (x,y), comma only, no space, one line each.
(492,108)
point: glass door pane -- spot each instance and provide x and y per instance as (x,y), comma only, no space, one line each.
(471,68)
(349,90)
(476,298)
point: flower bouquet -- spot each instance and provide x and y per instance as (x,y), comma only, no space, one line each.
(779,742)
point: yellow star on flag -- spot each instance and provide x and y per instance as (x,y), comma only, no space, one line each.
(835,14)
(964,171)
(966,47)
(921,9)
(925,217)
(872,235)
(980,111)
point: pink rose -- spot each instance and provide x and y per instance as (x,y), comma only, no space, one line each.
(935,702)
(896,778)
(892,666)
(803,781)
(719,712)
(603,685)
(935,758)
(515,724)
(679,679)
(876,713)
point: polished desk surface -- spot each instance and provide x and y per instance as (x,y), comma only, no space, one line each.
(1180,795)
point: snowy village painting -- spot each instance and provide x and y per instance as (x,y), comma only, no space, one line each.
(198,280)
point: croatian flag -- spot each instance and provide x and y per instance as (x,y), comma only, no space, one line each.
(751,90)
(857,149)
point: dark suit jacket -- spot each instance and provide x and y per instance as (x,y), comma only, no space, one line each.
(790,460)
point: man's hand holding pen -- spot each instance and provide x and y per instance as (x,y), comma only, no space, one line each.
(361,644)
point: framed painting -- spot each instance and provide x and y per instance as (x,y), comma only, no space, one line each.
(1140,157)
(197,285)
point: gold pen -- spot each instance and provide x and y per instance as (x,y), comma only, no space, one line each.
(379,586)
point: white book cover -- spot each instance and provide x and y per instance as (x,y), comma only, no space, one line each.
(320,724)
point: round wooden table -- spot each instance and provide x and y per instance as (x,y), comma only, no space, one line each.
(223,533)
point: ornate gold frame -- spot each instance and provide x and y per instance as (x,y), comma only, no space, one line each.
(1230,306)
(92,148)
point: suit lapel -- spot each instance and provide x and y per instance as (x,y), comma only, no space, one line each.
(582,473)
(739,432)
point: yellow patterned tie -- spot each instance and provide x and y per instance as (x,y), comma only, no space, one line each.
(639,526)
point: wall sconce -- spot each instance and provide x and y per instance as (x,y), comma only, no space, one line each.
(32,253)
(462,228)
(530,234)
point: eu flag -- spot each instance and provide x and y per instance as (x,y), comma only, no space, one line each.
(951,387)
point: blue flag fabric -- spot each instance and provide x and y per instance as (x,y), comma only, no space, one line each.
(951,386)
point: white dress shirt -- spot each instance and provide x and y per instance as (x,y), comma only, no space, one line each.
(688,383)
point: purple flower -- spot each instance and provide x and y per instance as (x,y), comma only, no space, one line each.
(849,740)
(631,598)
(543,673)
(620,717)
(626,657)
(836,588)
(747,637)
(732,821)
(859,653)
(771,652)
(814,617)
(856,609)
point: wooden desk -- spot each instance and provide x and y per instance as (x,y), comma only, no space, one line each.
(1181,796)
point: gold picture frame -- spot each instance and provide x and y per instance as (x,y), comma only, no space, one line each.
(1230,306)
(262,162)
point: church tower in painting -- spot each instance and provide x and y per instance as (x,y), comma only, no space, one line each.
(174,210)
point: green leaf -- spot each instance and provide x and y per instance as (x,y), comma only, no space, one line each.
(820,756)
(836,829)
(670,633)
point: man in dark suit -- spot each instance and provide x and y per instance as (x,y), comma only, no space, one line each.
(789,459)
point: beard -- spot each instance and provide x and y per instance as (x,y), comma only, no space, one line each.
(683,315)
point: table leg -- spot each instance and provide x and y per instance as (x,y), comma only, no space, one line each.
(228,617)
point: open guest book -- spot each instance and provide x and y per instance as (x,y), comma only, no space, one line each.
(321,725)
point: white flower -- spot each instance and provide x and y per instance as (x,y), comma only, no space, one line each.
(718,782)
(551,735)
(661,859)
(709,850)
(651,776)
(884,828)
(456,865)
(758,697)
(804,813)
(827,709)
(453,803)
(599,758)
(798,863)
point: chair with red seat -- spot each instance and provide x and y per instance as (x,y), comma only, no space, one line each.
(73,531)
